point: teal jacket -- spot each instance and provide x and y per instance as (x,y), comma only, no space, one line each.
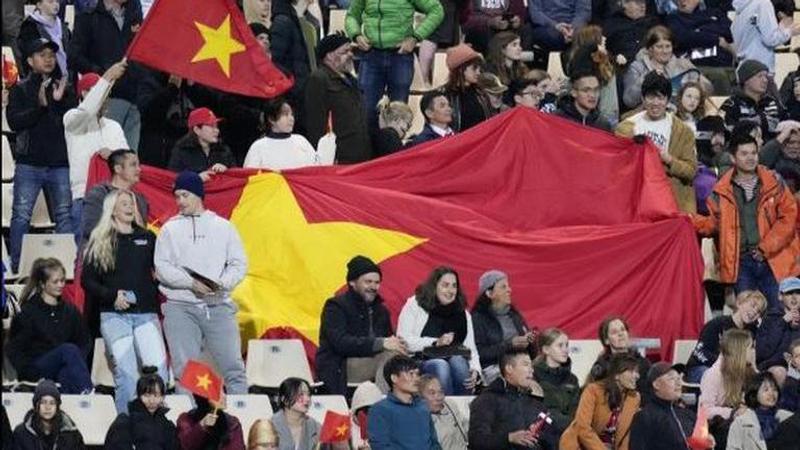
(387,22)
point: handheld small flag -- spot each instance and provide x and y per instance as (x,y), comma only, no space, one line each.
(335,428)
(10,72)
(199,379)
(700,439)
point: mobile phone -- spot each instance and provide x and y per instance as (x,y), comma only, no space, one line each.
(130,297)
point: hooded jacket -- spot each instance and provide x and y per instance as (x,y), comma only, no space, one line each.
(568,110)
(592,417)
(561,391)
(67,436)
(773,340)
(189,155)
(756,32)
(387,22)
(670,423)
(678,70)
(205,243)
(141,430)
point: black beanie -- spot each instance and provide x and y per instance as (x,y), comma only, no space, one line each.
(330,43)
(46,388)
(361,265)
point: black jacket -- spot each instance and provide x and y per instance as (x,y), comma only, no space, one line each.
(661,425)
(40,328)
(489,333)
(767,112)
(164,109)
(470,107)
(502,409)
(345,333)
(40,129)
(706,351)
(788,434)
(142,431)
(287,45)
(188,155)
(31,29)
(773,340)
(133,271)
(568,110)
(561,391)
(6,434)
(386,141)
(98,43)
(67,436)
(701,31)
(624,36)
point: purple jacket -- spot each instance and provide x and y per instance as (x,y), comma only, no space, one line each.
(704,182)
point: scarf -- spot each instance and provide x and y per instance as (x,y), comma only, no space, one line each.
(768,421)
(447,319)
(54,32)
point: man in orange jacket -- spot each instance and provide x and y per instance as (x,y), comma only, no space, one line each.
(753,214)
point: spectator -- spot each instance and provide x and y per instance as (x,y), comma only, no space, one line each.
(451,426)
(262,435)
(782,154)
(499,327)
(673,139)
(756,422)
(87,132)
(48,338)
(547,90)
(333,99)
(435,321)
(258,11)
(756,32)
(386,35)
(779,330)
(118,278)
(485,18)
(606,409)
(365,395)
(502,415)
(505,57)
(44,22)
(495,91)
(690,104)
(582,104)
(525,93)
(208,426)
(555,21)
(790,392)
(446,35)
(790,95)
(435,105)
(712,144)
(46,425)
(752,102)
(355,330)
(280,149)
(722,385)
(394,121)
(201,150)
(626,29)
(36,106)
(788,434)
(164,102)
(663,424)
(748,310)
(657,55)
(703,36)
(296,430)
(754,251)
(101,38)
(469,102)
(402,420)
(199,260)
(614,334)
(552,370)
(588,54)
(262,35)
(145,425)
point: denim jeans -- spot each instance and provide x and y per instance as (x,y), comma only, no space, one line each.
(127,115)
(75,214)
(695,374)
(451,373)
(384,71)
(65,364)
(28,182)
(126,336)
(756,275)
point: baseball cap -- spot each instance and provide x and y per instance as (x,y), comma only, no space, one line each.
(202,116)
(37,45)
(789,285)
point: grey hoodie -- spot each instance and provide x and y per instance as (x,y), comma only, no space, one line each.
(756,32)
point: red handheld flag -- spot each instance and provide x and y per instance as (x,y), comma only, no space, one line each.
(208,42)
(199,379)
(700,439)
(335,428)
(10,72)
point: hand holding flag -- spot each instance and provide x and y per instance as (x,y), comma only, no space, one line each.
(700,438)
(335,428)
(199,379)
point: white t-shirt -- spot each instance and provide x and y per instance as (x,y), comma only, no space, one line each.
(659,131)
(281,154)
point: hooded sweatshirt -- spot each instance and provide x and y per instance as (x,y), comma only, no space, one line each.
(756,32)
(205,243)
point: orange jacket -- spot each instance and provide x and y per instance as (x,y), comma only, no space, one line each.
(777,219)
(592,417)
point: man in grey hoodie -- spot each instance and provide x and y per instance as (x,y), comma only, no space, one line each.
(199,260)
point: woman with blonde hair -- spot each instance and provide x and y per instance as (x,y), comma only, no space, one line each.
(552,369)
(394,121)
(722,386)
(258,11)
(118,277)
(505,57)
(262,436)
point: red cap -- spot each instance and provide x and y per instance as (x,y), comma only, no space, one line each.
(87,81)
(202,116)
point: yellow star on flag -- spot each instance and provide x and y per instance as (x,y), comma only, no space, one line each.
(204,381)
(341,430)
(219,45)
(294,266)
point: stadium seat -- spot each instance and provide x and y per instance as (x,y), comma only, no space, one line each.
(69,16)
(320,404)
(682,350)
(8,53)
(461,403)
(248,408)
(418,121)
(93,415)
(178,404)
(716,101)
(8,198)
(584,353)
(101,369)
(336,20)
(784,63)
(554,67)
(59,246)
(17,404)
(15,289)
(418,84)
(265,355)
(440,71)
(8,161)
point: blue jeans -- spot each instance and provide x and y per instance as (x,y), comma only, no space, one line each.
(28,182)
(75,214)
(548,38)
(65,364)
(126,336)
(384,71)
(451,373)
(756,275)
(695,374)
(127,115)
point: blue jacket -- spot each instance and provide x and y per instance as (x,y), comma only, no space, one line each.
(774,337)
(427,134)
(392,424)
(700,31)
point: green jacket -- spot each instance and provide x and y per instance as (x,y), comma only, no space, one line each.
(561,392)
(387,22)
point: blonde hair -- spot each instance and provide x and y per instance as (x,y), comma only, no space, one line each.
(755,296)
(395,112)
(252,15)
(102,244)
(261,430)
(734,346)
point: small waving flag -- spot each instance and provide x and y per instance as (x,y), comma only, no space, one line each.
(199,379)
(10,72)
(700,439)
(335,428)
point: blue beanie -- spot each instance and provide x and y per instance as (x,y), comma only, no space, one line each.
(190,181)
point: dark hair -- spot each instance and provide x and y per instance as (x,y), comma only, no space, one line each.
(518,85)
(510,356)
(656,34)
(289,390)
(41,271)
(426,292)
(397,365)
(117,158)
(741,137)
(427,100)
(456,81)
(150,382)
(786,7)
(618,363)
(217,436)
(655,83)
(754,384)
(496,57)
(272,109)
(605,325)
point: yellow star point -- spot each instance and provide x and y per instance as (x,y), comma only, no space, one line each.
(204,381)
(341,430)
(218,45)
(293,265)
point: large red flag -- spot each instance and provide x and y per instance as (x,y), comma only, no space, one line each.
(209,42)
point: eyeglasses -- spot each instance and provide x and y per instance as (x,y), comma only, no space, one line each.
(531,93)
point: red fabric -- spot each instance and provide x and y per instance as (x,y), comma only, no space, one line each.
(199,379)
(169,39)
(335,428)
